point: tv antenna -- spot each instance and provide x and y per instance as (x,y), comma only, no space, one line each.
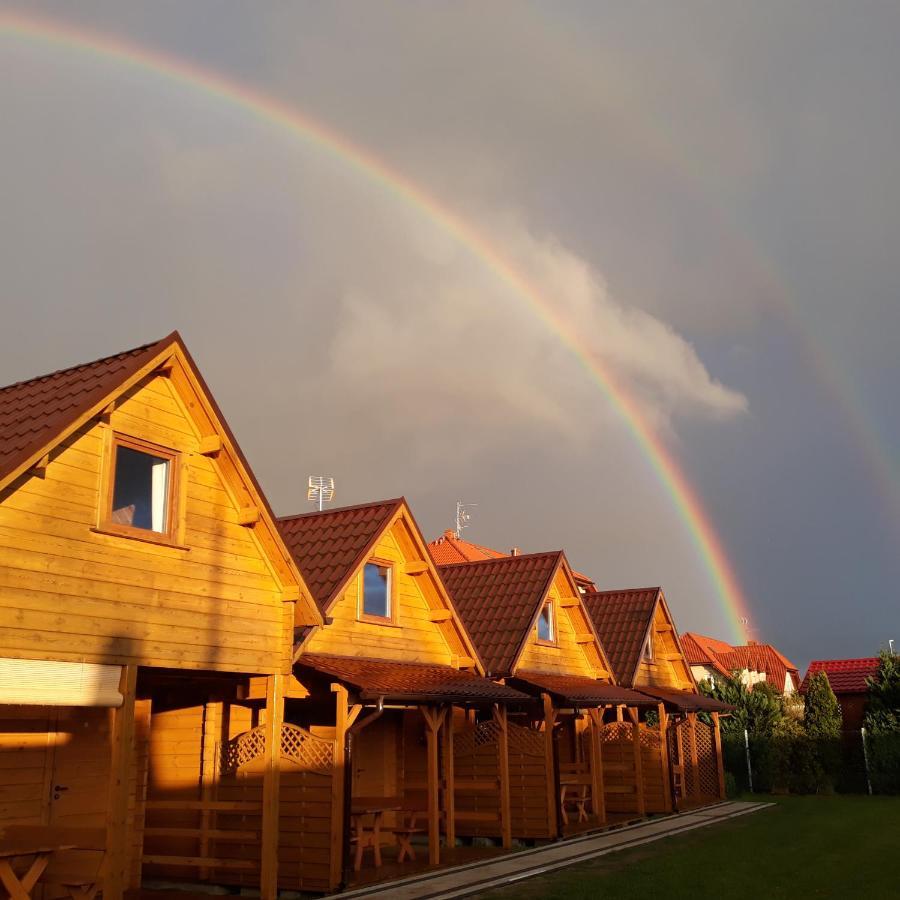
(891,645)
(462,515)
(321,490)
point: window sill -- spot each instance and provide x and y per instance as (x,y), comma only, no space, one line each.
(160,540)
(376,620)
(544,643)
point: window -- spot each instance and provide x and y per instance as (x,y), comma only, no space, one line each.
(545,624)
(141,488)
(376,599)
(648,647)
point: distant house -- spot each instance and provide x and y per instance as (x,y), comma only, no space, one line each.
(754,662)
(450,548)
(847,678)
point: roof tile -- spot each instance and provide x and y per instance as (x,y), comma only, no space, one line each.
(498,600)
(330,545)
(846,676)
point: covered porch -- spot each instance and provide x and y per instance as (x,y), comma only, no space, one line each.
(398,798)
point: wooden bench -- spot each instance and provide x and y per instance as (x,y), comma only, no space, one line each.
(575,784)
(79,871)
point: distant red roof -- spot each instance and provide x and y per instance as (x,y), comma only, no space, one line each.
(33,413)
(702,650)
(498,601)
(449,549)
(329,546)
(375,678)
(846,676)
(622,619)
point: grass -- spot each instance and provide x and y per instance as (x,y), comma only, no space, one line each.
(837,846)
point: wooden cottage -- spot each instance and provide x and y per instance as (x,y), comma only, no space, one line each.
(682,755)
(527,618)
(147,612)
(387,677)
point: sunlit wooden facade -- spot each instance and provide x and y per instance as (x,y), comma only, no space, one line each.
(125,632)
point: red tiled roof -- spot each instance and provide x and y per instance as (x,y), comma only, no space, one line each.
(329,546)
(34,413)
(498,601)
(725,658)
(577,689)
(622,619)
(846,676)
(449,549)
(375,678)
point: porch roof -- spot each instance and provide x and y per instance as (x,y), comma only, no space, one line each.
(686,701)
(409,682)
(582,691)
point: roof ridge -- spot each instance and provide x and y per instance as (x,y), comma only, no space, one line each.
(94,362)
(395,501)
(641,590)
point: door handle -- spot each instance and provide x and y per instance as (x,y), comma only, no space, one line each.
(58,789)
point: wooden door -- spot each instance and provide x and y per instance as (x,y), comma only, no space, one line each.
(79,785)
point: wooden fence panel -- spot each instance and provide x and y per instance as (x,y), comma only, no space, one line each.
(619,777)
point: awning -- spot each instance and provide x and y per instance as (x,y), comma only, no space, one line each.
(578,690)
(406,682)
(43,682)
(686,701)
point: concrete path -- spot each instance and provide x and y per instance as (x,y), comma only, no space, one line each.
(464,881)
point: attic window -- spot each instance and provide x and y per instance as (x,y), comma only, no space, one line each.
(141,487)
(648,648)
(376,591)
(545,630)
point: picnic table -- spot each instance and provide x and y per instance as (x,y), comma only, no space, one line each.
(369,835)
(19,887)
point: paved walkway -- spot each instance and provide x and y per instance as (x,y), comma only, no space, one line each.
(464,881)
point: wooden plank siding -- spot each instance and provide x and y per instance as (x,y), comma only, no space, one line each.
(70,592)
(412,637)
(668,668)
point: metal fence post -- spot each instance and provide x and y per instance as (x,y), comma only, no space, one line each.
(866,760)
(747,752)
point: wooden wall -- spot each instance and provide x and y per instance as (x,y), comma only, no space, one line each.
(69,592)
(414,637)
(668,668)
(567,657)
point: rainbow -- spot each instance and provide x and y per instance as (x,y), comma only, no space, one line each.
(279,114)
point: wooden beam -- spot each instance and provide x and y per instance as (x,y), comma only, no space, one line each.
(465,662)
(717,746)
(338,825)
(549,766)
(569,602)
(211,735)
(118,822)
(40,467)
(248,515)
(449,781)
(268,874)
(584,639)
(664,755)
(440,615)
(638,763)
(210,444)
(257,688)
(598,798)
(502,720)
(416,567)
(433,718)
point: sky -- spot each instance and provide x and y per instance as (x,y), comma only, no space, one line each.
(706,193)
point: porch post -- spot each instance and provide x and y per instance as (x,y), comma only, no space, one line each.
(212,733)
(552,794)
(695,764)
(634,715)
(664,755)
(433,718)
(598,800)
(336,871)
(268,877)
(720,763)
(118,830)
(502,720)
(449,780)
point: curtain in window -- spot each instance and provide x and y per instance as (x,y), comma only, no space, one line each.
(158,496)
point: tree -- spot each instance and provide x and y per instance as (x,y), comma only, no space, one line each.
(822,717)
(759,709)
(883,706)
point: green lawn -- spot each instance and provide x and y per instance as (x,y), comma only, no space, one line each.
(839,846)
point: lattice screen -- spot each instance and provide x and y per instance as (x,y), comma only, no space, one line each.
(242,749)
(706,759)
(526,740)
(297,745)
